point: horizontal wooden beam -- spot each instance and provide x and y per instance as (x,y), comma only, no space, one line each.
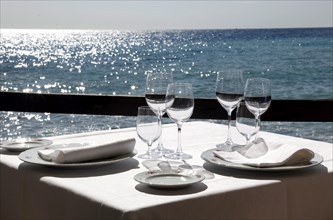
(280,110)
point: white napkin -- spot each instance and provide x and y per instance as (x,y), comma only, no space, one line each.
(261,154)
(78,152)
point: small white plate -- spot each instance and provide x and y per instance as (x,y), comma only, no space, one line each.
(31,156)
(22,144)
(167,180)
(210,157)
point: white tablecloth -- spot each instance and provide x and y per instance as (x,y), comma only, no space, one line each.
(110,192)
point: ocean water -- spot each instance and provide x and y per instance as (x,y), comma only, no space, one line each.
(299,63)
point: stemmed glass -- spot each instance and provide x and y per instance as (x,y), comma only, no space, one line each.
(180,110)
(148,128)
(246,123)
(257,96)
(156,87)
(229,92)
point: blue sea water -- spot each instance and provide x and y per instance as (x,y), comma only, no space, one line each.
(299,63)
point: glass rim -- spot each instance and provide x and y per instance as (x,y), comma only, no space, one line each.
(147,110)
(145,107)
(181,83)
(258,78)
(159,72)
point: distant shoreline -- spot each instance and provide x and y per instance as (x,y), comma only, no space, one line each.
(161,30)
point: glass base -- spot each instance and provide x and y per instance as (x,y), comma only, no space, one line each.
(227,146)
(162,150)
(178,156)
(150,156)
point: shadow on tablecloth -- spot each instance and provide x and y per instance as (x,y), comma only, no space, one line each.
(198,187)
(275,175)
(114,168)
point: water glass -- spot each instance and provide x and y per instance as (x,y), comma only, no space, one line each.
(180,110)
(229,92)
(257,96)
(148,128)
(246,123)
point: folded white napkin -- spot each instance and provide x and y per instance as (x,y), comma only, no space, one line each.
(78,152)
(261,154)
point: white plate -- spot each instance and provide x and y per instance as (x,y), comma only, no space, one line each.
(167,180)
(31,156)
(23,144)
(209,157)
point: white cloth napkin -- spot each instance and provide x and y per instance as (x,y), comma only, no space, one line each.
(261,154)
(78,152)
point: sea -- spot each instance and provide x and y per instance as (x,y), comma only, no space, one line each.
(298,62)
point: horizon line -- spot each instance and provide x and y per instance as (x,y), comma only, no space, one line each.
(164,29)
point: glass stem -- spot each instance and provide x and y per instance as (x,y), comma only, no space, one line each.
(229,141)
(149,151)
(179,147)
(160,143)
(258,124)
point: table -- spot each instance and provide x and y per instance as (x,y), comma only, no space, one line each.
(109,192)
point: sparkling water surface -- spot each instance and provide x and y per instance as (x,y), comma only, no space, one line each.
(297,61)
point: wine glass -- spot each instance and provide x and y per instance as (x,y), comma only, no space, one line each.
(257,96)
(229,92)
(155,94)
(246,123)
(179,110)
(148,128)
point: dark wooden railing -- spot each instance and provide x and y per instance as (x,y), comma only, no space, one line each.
(280,110)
